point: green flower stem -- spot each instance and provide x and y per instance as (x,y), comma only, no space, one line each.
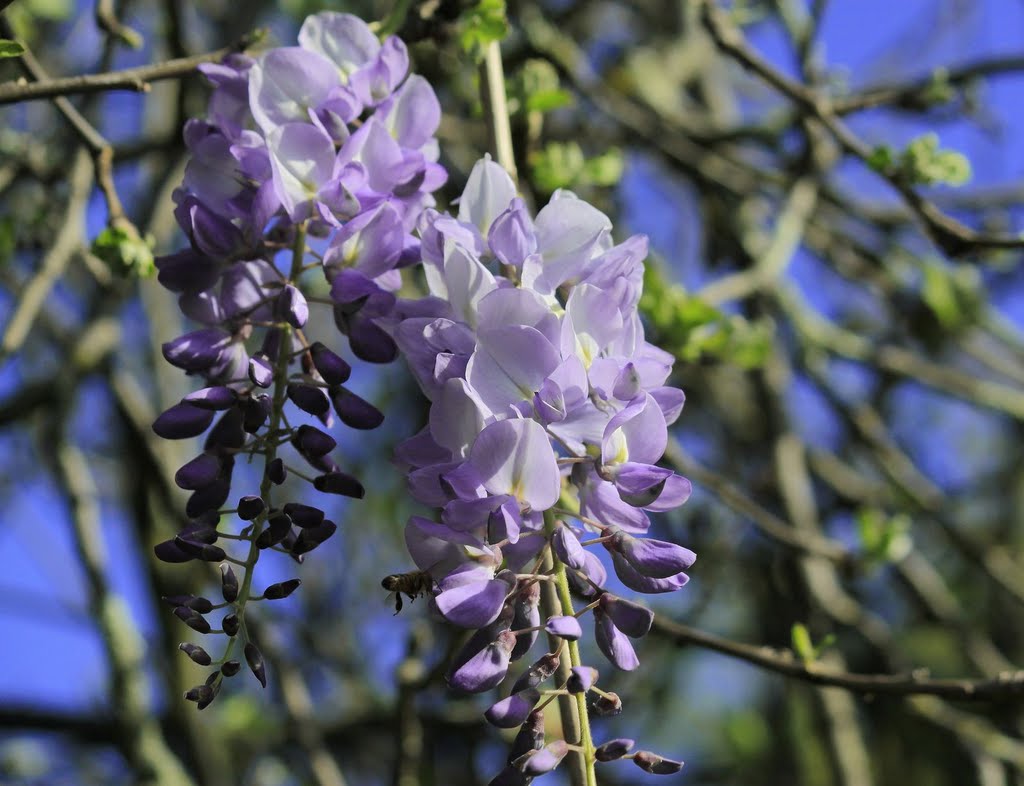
(276,413)
(557,601)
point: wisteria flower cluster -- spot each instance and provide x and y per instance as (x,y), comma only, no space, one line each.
(548,414)
(330,142)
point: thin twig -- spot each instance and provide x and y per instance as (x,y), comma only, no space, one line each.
(949,234)
(133,79)
(1008,687)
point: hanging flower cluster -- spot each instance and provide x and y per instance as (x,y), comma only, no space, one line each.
(548,414)
(331,140)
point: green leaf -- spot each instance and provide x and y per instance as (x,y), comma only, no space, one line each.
(926,163)
(884,538)
(953,294)
(881,159)
(10,48)
(125,253)
(482,24)
(548,100)
(801,642)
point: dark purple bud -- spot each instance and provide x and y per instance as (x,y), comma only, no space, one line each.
(530,736)
(230,624)
(293,307)
(581,679)
(631,618)
(197,351)
(304,515)
(484,668)
(543,668)
(230,668)
(281,589)
(201,694)
(187,271)
(655,764)
(196,653)
(614,749)
(339,483)
(208,498)
(228,583)
(527,615)
(250,506)
(198,473)
(199,550)
(169,551)
(605,705)
(308,539)
(309,399)
(202,605)
(182,421)
(333,369)
(261,373)
(215,398)
(354,411)
(544,760)
(202,529)
(192,618)
(276,472)
(311,441)
(255,411)
(567,547)
(228,434)
(271,348)
(656,559)
(278,526)
(512,711)
(564,627)
(255,660)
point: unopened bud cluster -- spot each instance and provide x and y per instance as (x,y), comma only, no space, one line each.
(327,144)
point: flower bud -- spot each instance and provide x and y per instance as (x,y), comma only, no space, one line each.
(202,605)
(355,412)
(261,373)
(281,590)
(228,583)
(333,369)
(581,679)
(182,421)
(198,473)
(196,653)
(311,537)
(249,507)
(230,668)
(605,705)
(219,397)
(309,399)
(656,559)
(228,433)
(304,515)
(339,483)
(541,669)
(614,749)
(567,547)
(255,660)
(278,525)
(513,710)
(193,619)
(200,550)
(293,307)
(230,624)
(655,764)
(209,498)
(255,411)
(564,627)
(276,472)
(201,694)
(530,736)
(544,760)
(312,441)
(527,615)
(613,642)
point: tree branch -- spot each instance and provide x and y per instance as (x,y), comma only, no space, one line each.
(133,79)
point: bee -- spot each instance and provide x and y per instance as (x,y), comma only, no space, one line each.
(413,584)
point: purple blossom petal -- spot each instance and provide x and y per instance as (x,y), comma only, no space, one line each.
(631,618)
(565,627)
(613,642)
(515,457)
(512,711)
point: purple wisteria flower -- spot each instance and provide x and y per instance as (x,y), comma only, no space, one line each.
(549,412)
(328,144)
